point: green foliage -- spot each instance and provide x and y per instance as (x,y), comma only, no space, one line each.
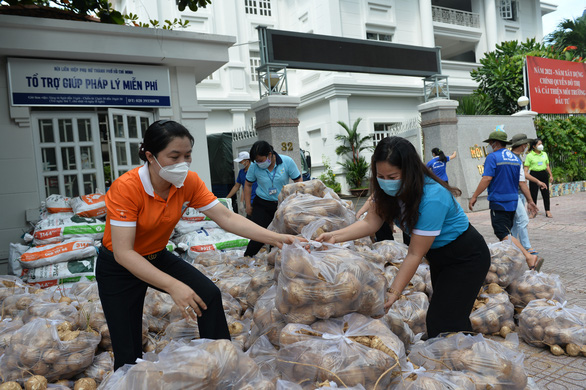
(477,104)
(329,177)
(564,141)
(501,76)
(356,171)
(132,19)
(570,37)
(353,143)
(108,173)
(193,5)
(103,10)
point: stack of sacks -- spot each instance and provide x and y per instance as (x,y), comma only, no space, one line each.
(63,248)
(197,234)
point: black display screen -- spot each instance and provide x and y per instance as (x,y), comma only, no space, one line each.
(322,52)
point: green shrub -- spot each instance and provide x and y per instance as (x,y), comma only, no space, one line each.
(564,141)
(329,177)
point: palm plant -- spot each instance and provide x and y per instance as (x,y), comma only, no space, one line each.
(570,35)
(353,143)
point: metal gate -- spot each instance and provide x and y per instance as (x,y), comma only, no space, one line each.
(409,129)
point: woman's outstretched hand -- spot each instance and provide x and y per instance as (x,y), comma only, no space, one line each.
(330,238)
(288,239)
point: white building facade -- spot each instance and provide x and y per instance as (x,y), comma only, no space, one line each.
(464,29)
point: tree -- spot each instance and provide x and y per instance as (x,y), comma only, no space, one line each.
(353,143)
(102,9)
(570,37)
(501,76)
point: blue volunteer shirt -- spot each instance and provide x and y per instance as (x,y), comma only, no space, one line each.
(438,167)
(241,179)
(440,215)
(284,169)
(505,169)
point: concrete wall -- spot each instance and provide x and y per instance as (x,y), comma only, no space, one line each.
(465,135)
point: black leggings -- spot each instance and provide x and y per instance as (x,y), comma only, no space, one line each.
(263,212)
(122,295)
(533,188)
(458,271)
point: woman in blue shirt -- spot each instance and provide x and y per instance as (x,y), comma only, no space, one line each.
(407,193)
(438,163)
(271,172)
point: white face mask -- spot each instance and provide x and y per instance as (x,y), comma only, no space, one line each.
(539,147)
(489,149)
(174,174)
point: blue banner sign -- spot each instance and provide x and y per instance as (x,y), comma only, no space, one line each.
(35,82)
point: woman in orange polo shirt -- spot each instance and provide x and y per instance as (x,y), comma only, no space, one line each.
(144,205)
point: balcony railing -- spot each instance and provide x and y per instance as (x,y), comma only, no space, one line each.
(454,16)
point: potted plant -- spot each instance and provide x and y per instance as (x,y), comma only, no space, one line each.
(355,166)
(329,177)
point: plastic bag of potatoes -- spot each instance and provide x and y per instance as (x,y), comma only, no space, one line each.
(50,349)
(199,364)
(299,210)
(313,187)
(533,285)
(557,325)
(351,350)
(507,263)
(420,379)
(493,311)
(488,363)
(267,318)
(327,281)
(413,309)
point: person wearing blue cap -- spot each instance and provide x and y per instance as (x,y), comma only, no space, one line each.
(502,175)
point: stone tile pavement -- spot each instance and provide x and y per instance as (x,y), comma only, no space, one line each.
(561,241)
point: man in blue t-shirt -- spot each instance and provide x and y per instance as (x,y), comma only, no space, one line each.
(502,174)
(244,160)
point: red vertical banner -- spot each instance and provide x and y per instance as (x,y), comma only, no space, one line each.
(556,86)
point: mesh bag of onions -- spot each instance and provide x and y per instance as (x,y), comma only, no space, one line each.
(557,325)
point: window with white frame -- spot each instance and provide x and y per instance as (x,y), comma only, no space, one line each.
(508,9)
(69,156)
(254,63)
(258,7)
(381,130)
(375,36)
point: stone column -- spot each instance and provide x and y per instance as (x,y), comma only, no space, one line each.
(439,125)
(186,110)
(426,20)
(278,124)
(490,24)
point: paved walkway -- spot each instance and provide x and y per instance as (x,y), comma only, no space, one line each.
(561,240)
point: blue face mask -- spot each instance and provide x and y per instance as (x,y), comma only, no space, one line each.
(390,187)
(265,164)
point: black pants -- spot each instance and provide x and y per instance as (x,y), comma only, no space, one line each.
(385,232)
(122,296)
(263,212)
(458,271)
(534,188)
